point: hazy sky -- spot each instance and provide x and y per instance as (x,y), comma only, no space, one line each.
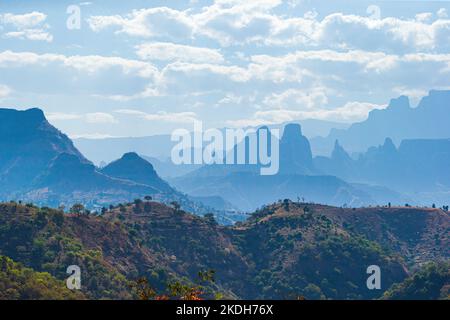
(135,68)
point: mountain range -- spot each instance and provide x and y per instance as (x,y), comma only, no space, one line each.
(158,147)
(40,164)
(298,177)
(398,121)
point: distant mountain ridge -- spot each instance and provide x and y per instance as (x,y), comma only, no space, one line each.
(429,120)
(160,146)
(298,177)
(416,166)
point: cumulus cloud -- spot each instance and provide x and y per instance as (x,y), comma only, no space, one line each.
(148,23)
(247,55)
(442,13)
(60,116)
(31,26)
(24,21)
(350,112)
(248,22)
(89,63)
(166,51)
(93,118)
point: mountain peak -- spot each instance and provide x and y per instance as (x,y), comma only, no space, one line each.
(132,156)
(29,120)
(336,144)
(389,146)
(29,144)
(436,98)
(32,112)
(401,102)
(292,130)
(134,168)
(295,151)
(339,152)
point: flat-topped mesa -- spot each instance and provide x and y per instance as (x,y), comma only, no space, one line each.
(28,144)
(401,102)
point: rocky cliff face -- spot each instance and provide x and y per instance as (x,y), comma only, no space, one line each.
(28,144)
(295,151)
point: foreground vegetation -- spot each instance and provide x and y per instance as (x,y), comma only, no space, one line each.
(147,250)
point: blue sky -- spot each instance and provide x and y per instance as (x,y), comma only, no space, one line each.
(135,68)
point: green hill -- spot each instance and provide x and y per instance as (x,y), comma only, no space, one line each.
(431,282)
(19,282)
(283,251)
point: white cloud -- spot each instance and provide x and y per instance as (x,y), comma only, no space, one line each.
(30,34)
(234,73)
(147,93)
(424,16)
(100,117)
(442,13)
(29,26)
(60,116)
(24,21)
(231,98)
(166,51)
(350,112)
(149,23)
(89,64)
(236,23)
(172,117)
(5,91)
(292,66)
(93,118)
(301,99)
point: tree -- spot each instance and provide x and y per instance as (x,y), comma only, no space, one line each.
(175,205)
(389,204)
(433,206)
(143,289)
(138,205)
(148,207)
(286,204)
(177,290)
(78,209)
(210,218)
